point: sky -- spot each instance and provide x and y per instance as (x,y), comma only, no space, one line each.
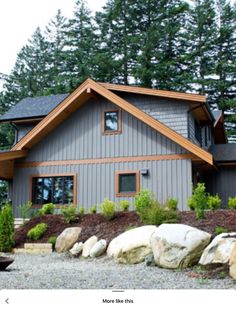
(20,18)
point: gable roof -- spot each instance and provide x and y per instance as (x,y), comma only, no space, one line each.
(80,96)
(32,107)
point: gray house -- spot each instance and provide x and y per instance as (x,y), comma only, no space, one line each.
(107,140)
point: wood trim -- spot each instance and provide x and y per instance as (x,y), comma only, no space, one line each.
(11,155)
(30,164)
(6,169)
(106,132)
(137,173)
(79,96)
(53,175)
(154,92)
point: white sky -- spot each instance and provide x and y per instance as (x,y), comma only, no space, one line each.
(19,19)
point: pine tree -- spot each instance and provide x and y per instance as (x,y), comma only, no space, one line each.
(200,38)
(80,44)
(225,80)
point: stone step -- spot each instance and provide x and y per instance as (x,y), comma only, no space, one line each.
(35,248)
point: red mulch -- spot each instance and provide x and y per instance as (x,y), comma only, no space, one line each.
(96,224)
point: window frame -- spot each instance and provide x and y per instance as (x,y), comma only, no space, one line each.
(110,132)
(127,194)
(53,176)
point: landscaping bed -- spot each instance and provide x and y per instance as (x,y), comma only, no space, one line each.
(96,224)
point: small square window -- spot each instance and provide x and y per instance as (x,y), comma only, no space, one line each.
(112,122)
(127,183)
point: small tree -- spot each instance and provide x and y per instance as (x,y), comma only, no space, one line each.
(6,228)
(198,200)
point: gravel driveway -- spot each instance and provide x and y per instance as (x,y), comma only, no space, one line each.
(58,271)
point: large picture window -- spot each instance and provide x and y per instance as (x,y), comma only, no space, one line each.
(127,183)
(57,190)
(111,122)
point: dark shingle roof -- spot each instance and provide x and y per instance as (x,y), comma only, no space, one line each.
(223,152)
(33,107)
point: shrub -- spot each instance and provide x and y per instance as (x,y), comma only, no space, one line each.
(108,209)
(198,200)
(93,209)
(124,205)
(24,208)
(52,240)
(213,202)
(157,215)
(143,201)
(70,213)
(6,228)
(171,204)
(37,232)
(219,230)
(232,202)
(81,211)
(47,209)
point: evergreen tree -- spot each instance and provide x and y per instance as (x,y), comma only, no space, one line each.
(80,44)
(225,80)
(200,39)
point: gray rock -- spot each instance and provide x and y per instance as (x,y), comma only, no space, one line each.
(77,249)
(67,239)
(149,260)
(98,249)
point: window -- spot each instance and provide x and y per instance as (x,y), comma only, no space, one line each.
(57,190)
(198,132)
(111,122)
(127,183)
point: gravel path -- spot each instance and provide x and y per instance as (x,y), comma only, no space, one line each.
(58,271)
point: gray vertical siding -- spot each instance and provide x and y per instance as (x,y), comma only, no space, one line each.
(222,182)
(167,178)
(79,137)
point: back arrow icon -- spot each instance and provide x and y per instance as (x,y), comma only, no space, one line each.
(7,300)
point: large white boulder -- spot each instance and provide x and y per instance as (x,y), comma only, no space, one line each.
(131,247)
(219,250)
(98,249)
(77,249)
(232,262)
(88,244)
(178,245)
(67,239)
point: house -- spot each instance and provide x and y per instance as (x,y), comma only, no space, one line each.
(107,140)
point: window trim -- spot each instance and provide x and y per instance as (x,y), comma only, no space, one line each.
(74,175)
(109,132)
(117,175)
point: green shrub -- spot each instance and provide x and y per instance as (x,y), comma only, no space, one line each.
(124,205)
(93,209)
(213,202)
(70,213)
(171,204)
(143,201)
(24,208)
(232,202)
(157,215)
(6,228)
(37,232)
(219,230)
(108,209)
(198,200)
(81,211)
(52,240)
(47,209)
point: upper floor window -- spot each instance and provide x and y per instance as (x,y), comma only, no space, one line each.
(111,122)
(57,190)
(198,132)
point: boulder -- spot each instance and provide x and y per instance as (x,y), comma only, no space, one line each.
(131,247)
(98,249)
(232,262)
(178,245)
(219,250)
(67,239)
(88,245)
(77,249)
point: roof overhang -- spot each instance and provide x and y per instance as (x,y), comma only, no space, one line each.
(80,96)
(219,130)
